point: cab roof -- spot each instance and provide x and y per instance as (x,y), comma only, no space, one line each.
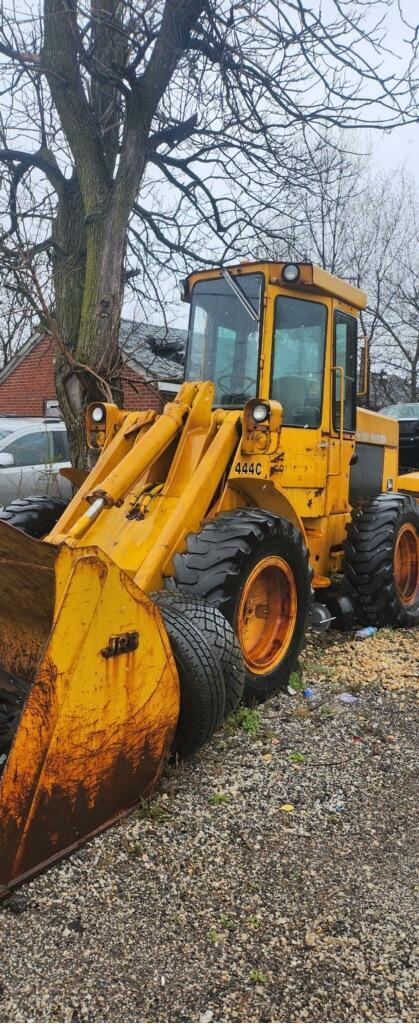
(311,279)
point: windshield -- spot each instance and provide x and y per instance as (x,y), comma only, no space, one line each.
(404,410)
(5,433)
(223,343)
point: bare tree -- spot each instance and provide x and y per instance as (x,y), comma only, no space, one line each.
(398,325)
(379,254)
(16,322)
(154,132)
(365,228)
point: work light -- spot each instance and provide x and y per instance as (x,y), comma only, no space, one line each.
(98,414)
(290,272)
(260,412)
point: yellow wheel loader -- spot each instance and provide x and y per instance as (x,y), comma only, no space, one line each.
(194,555)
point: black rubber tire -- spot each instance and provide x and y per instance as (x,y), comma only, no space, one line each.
(368,561)
(35,516)
(202,691)
(220,636)
(220,558)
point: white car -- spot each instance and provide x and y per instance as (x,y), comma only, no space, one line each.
(32,451)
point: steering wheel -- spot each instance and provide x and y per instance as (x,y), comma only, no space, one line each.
(245,382)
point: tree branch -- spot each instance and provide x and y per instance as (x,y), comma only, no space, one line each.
(44,160)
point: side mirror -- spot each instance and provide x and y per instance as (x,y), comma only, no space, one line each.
(6,460)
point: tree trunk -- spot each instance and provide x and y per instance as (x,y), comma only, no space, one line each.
(89,268)
(94,219)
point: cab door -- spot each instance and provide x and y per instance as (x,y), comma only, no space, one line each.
(342,409)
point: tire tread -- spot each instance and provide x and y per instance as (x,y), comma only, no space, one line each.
(368,560)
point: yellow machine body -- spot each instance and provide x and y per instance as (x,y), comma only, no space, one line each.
(75,618)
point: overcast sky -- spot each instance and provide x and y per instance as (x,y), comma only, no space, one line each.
(402,144)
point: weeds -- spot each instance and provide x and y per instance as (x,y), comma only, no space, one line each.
(226,923)
(152,810)
(248,719)
(134,850)
(326,711)
(296,681)
(258,977)
(296,757)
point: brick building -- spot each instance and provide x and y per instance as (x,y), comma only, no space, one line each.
(153,369)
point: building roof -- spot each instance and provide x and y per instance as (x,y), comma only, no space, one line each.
(20,355)
(156,352)
(152,352)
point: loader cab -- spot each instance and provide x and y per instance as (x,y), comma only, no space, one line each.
(275,331)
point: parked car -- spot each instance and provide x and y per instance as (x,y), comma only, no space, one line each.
(32,451)
(407,413)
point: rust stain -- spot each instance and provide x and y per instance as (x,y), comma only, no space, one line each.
(94,789)
(26,600)
(66,821)
(65,818)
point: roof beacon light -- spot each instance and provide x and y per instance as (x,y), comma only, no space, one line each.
(290,272)
(98,414)
(260,413)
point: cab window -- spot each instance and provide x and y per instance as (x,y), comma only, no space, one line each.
(344,356)
(223,343)
(298,360)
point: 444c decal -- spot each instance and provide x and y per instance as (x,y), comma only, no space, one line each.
(248,468)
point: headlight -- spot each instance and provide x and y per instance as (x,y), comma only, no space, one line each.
(291,272)
(98,414)
(260,413)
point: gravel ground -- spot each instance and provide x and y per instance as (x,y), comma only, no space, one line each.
(271,879)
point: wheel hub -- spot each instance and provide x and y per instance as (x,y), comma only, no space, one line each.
(267,614)
(406,564)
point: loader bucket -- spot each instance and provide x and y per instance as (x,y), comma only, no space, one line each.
(102,706)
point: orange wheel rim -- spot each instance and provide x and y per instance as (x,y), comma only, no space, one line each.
(406,564)
(267,614)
